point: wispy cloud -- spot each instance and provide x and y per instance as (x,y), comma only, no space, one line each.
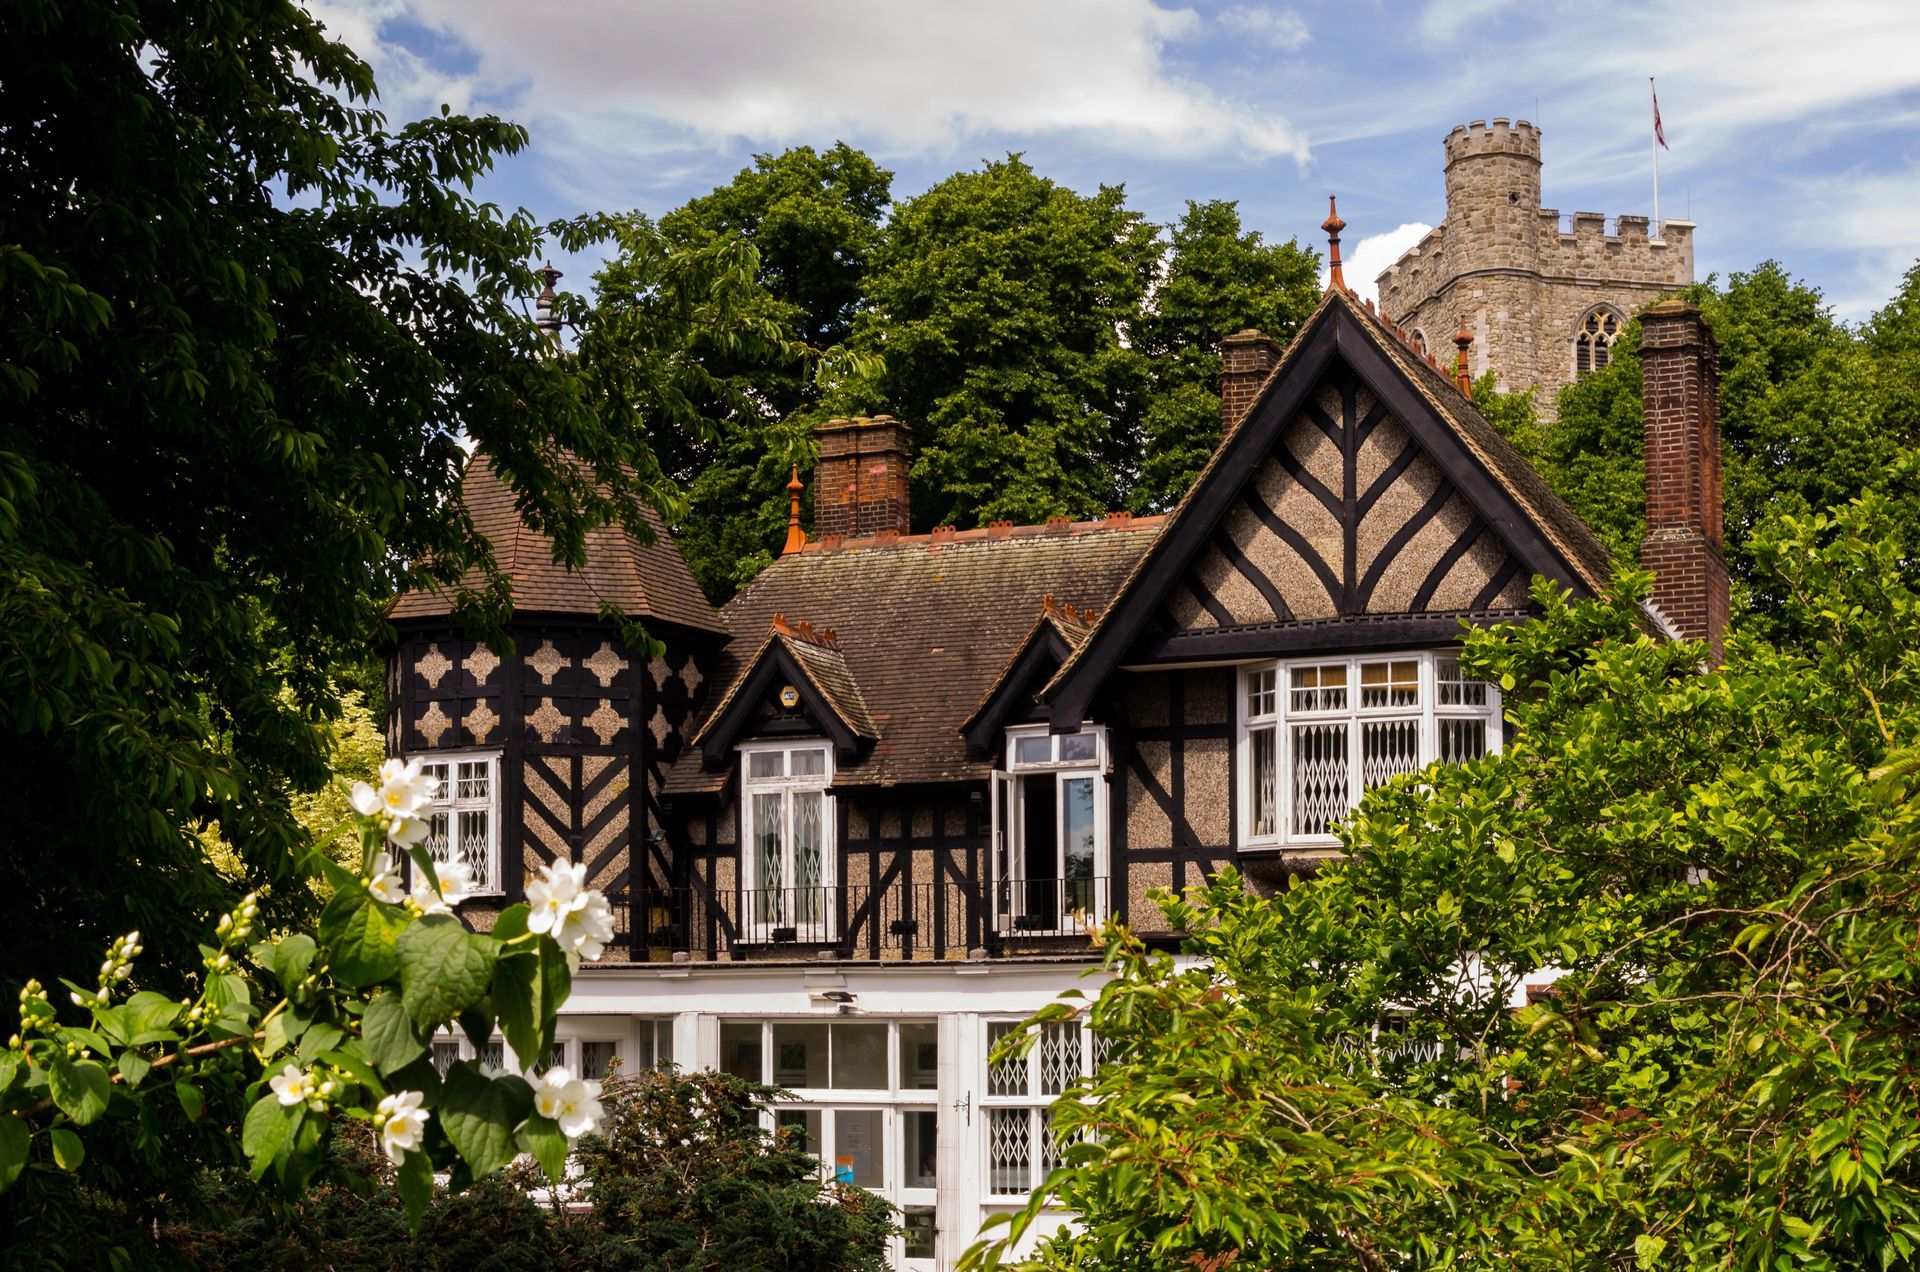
(1280,28)
(895,77)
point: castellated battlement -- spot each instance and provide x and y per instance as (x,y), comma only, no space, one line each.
(1498,138)
(1524,278)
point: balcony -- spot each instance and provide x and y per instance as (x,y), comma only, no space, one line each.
(894,922)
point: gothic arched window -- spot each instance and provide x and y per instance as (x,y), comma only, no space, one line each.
(1593,344)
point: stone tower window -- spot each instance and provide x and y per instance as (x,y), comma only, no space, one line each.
(1593,346)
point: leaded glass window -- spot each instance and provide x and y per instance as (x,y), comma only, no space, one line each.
(787,877)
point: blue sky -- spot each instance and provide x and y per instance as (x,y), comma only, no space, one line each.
(1794,128)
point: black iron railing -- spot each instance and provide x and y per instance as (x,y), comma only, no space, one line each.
(893,921)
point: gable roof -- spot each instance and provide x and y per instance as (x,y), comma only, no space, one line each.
(813,661)
(925,624)
(1058,631)
(645,581)
(1542,532)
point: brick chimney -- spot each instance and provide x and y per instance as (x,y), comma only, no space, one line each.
(1245,359)
(1680,391)
(860,483)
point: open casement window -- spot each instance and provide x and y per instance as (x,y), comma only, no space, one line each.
(1316,734)
(786,871)
(1050,867)
(463,820)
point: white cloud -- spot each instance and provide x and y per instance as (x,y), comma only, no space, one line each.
(1282,28)
(1362,265)
(893,77)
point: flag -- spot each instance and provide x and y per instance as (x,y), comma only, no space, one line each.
(1658,134)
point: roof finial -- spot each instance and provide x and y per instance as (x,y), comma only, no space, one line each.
(544,317)
(796,537)
(1463,341)
(1333,225)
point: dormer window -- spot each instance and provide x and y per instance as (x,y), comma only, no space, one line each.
(1316,734)
(1050,855)
(786,871)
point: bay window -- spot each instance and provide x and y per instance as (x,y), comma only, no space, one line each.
(1315,734)
(786,873)
(1050,869)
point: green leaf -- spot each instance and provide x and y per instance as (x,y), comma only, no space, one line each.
(10,1070)
(320,1036)
(148,1012)
(415,1178)
(1647,1250)
(68,1151)
(264,1133)
(84,1038)
(292,960)
(15,1140)
(361,935)
(543,1137)
(444,969)
(191,1100)
(80,1088)
(389,1037)
(479,1116)
(423,862)
(353,1066)
(133,1068)
(512,922)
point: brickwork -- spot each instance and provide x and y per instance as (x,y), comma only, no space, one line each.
(1681,414)
(860,483)
(1522,280)
(1246,358)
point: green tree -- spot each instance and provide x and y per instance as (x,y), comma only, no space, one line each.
(998,299)
(1217,279)
(243,326)
(1804,414)
(1722,866)
(682,1179)
(814,218)
(684,1176)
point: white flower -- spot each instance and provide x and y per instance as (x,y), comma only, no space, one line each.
(402,1123)
(554,894)
(404,788)
(403,793)
(385,881)
(456,885)
(293,1086)
(572,1102)
(578,917)
(588,928)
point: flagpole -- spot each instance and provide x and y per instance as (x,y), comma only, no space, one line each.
(1653,146)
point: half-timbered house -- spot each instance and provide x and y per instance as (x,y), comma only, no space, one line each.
(855,821)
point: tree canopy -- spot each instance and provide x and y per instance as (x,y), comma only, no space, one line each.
(1639,990)
(1811,412)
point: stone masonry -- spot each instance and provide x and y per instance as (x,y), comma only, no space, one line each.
(1524,280)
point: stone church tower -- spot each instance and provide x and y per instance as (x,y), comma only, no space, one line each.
(1543,298)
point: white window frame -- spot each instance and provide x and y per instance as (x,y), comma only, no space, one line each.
(762,916)
(1429,712)
(1031,1102)
(448,803)
(1007,864)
